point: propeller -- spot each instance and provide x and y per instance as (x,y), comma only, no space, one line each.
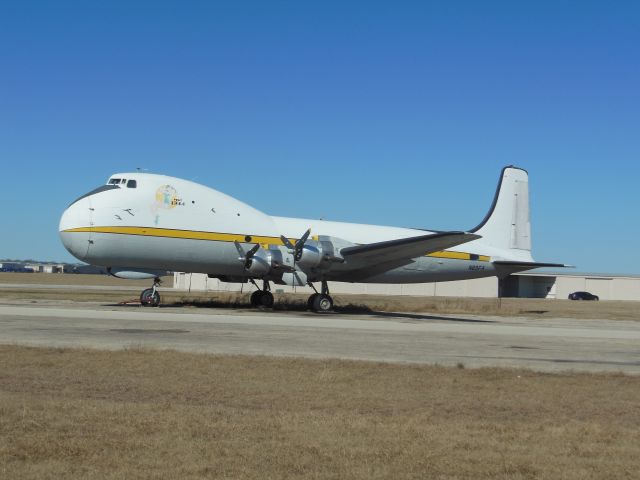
(299,245)
(246,257)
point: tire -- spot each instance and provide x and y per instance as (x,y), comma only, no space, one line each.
(149,299)
(322,303)
(255,298)
(311,300)
(266,300)
(261,298)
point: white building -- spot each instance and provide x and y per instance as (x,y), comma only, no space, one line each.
(560,285)
(526,285)
(46,267)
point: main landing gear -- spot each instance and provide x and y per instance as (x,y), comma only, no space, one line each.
(320,302)
(262,298)
(150,296)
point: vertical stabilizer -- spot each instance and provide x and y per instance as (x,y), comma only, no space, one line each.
(507,226)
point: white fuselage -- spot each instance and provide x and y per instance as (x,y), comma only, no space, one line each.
(173,224)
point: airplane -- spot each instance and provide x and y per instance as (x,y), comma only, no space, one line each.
(140,224)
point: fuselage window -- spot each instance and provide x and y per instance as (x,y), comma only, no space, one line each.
(132,184)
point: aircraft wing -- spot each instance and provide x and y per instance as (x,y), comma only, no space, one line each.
(405,248)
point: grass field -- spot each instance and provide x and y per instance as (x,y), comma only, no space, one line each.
(541,308)
(162,414)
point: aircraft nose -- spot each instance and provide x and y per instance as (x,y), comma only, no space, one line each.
(74,228)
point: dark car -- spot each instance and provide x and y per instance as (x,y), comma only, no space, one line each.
(583,296)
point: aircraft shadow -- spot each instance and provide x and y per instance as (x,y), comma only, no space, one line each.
(421,317)
(346,310)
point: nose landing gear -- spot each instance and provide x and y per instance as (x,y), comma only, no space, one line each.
(320,302)
(150,297)
(262,298)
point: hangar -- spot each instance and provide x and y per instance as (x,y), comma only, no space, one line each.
(561,284)
(526,285)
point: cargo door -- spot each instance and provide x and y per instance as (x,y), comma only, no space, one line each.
(90,217)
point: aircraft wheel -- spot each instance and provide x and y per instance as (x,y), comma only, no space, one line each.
(266,300)
(255,298)
(311,300)
(261,298)
(322,303)
(149,298)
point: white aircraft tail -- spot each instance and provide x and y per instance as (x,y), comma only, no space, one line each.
(507,226)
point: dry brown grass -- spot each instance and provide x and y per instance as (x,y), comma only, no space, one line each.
(152,414)
(352,303)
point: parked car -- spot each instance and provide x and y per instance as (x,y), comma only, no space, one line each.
(583,296)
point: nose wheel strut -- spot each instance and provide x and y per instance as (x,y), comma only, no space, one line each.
(262,297)
(320,302)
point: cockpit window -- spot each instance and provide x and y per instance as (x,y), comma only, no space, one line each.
(114,181)
(132,184)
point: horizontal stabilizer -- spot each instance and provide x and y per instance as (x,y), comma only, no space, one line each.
(507,267)
(406,248)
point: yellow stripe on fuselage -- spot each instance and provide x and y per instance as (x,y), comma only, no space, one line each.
(185,234)
(459,256)
(233,237)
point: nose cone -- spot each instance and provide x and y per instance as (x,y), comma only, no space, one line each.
(74,228)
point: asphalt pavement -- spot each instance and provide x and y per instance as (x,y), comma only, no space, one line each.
(473,341)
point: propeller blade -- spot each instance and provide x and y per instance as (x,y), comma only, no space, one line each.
(241,251)
(300,243)
(245,257)
(253,250)
(285,268)
(249,256)
(297,254)
(287,243)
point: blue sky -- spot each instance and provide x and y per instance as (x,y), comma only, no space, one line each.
(398,113)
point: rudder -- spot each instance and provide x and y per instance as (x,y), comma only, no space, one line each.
(507,225)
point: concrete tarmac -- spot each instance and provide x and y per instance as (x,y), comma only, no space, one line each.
(474,341)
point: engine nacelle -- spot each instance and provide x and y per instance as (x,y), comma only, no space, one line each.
(259,264)
(311,255)
(281,262)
